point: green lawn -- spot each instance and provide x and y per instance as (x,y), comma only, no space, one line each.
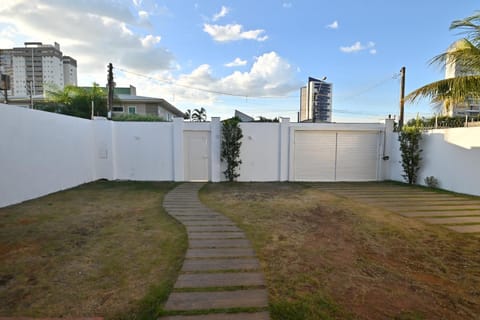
(328,257)
(101,249)
(108,249)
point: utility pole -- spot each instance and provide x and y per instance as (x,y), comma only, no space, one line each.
(110,86)
(402,97)
(5,80)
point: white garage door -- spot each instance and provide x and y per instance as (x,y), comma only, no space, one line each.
(357,156)
(196,155)
(335,156)
(315,155)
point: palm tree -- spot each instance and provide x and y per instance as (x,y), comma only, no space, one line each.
(77,101)
(188,115)
(465,54)
(199,115)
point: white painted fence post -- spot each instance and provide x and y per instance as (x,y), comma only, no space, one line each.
(284,147)
(177,150)
(215,145)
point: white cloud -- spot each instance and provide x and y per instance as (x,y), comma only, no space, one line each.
(236,63)
(143,15)
(7,37)
(358,46)
(150,41)
(223,12)
(270,75)
(233,32)
(287,5)
(333,25)
(95,32)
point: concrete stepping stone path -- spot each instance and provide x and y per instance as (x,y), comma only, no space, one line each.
(220,271)
(454,212)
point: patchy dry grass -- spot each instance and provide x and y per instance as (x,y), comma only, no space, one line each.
(102,249)
(326,257)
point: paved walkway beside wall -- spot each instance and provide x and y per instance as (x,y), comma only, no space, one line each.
(221,276)
(452,211)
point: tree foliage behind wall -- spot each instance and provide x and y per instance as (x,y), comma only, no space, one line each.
(230,154)
(77,101)
(409,139)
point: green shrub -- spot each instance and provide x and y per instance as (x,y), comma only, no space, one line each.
(431,182)
(409,139)
(442,122)
(231,136)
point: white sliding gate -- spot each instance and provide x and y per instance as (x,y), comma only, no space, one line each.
(336,155)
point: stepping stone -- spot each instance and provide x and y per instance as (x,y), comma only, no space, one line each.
(189,214)
(196,210)
(394,196)
(445,202)
(216,235)
(222,243)
(190,265)
(220,253)
(209,222)
(465,229)
(441,213)
(456,220)
(230,279)
(185,301)
(429,203)
(212,229)
(438,208)
(200,218)
(224,316)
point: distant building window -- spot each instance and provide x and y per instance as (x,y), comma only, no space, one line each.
(132,110)
(117,109)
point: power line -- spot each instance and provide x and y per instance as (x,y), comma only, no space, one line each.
(223,93)
(367,89)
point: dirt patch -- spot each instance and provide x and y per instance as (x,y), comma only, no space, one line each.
(359,262)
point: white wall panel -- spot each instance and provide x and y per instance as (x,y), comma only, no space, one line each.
(42,152)
(143,151)
(260,152)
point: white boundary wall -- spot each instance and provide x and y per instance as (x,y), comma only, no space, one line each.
(450,155)
(43,152)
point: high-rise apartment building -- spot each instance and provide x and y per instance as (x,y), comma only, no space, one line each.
(35,66)
(69,71)
(470,107)
(316,101)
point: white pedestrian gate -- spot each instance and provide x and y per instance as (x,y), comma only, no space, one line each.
(196,155)
(336,155)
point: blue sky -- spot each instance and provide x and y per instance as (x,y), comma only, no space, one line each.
(248,55)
